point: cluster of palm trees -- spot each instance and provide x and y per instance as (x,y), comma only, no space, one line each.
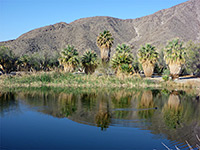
(70,60)
(174,57)
(122,60)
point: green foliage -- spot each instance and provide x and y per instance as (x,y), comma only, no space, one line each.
(147,54)
(8,60)
(136,64)
(89,61)
(160,66)
(48,60)
(192,65)
(166,75)
(123,48)
(46,78)
(38,61)
(69,56)
(105,39)
(123,59)
(126,68)
(175,52)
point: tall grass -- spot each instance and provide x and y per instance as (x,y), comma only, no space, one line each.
(72,80)
(62,79)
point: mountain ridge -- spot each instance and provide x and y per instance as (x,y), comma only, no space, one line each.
(182,20)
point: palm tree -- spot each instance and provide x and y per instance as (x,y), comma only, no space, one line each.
(105,42)
(89,61)
(122,59)
(148,57)
(123,48)
(175,57)
(69,58)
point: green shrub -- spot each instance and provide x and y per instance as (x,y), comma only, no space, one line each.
(8,60)
(166,75)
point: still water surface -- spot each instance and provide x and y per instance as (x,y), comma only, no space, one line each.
(115,119)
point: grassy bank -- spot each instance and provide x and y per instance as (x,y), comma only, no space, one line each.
(61,79)
(71,80)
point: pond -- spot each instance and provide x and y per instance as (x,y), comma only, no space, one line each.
(98,119)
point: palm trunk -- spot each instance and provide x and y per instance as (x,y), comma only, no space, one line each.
(68,68)
(89,69)
(175,70)
(174,101)
(148,69)
(147,100)
(105,54)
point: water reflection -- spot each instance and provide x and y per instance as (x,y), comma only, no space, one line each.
(147,105)
(173,114)
(173,111)
(68,104)
(7,102)
(122,101)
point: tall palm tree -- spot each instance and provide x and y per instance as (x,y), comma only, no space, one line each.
(105,42)
(69,58)
(175,57)
(148,57)
(122,59)
(89,61)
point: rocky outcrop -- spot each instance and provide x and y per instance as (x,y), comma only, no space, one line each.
(181,21)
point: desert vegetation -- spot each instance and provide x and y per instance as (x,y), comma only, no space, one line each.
(148,57)
(89,61)
(69,59)
(175,59)
(105,42)
(122,60)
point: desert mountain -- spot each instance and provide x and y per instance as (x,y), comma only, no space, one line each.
(181,21)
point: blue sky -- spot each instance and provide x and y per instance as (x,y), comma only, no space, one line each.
(20,16)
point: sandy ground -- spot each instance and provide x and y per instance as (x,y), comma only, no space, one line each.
(187,80)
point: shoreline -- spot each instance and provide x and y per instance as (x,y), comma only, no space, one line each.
(68,80)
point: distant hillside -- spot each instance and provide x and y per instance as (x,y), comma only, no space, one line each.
(181,21)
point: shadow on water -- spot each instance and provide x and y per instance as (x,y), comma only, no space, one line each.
(171,114)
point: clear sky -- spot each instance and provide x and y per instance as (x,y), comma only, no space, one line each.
(20,16)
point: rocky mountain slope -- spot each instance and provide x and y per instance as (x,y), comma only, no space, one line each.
(181,21)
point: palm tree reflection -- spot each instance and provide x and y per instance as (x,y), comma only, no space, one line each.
(68,103)
(147,105)
(103,116)
(173,111)
(7,102)
(122,100)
